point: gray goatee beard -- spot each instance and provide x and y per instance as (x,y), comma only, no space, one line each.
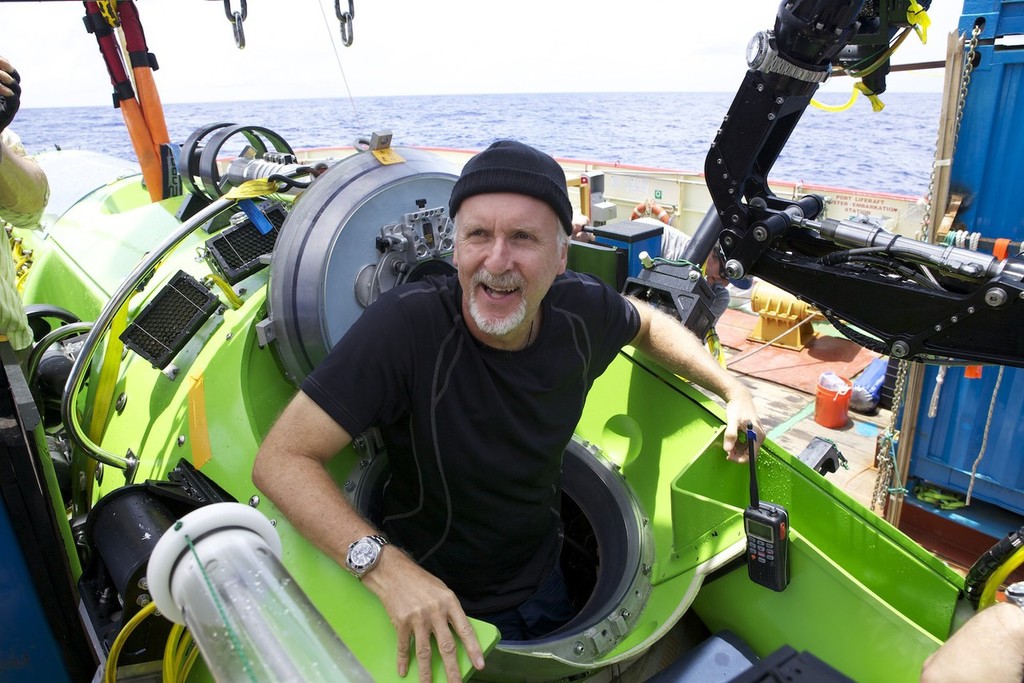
(501,326)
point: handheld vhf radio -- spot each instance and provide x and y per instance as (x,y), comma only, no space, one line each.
(767,528)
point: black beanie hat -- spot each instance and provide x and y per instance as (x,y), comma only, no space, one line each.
(510,166)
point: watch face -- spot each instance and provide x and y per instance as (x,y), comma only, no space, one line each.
(363,553)
(757,48)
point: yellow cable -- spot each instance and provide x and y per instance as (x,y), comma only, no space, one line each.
(169,675)
(837,107)
(232,297)
(110,668)
(179,654)
(988,594)
(187,667)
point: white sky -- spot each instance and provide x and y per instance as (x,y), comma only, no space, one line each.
(417,47)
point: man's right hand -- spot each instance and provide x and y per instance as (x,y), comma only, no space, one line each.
(420,606)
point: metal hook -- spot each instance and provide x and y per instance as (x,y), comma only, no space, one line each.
(236,19)
(346,20)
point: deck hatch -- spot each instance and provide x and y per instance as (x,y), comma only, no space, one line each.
(164,326)
(236,251)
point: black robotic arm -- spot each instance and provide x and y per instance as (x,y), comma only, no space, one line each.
(895,295)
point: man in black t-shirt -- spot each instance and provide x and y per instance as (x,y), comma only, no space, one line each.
(476,382)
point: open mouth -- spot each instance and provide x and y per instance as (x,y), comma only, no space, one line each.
(499,287)
(498,292)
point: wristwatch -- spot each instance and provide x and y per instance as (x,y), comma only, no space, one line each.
(762,56)
(1015,593)
(364,554)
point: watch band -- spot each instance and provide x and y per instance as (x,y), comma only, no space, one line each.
(1015,594)
(364,554)
(765,58)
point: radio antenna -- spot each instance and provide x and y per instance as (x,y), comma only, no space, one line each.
(755,499)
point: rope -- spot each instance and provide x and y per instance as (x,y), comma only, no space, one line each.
(984,438)
(768,343)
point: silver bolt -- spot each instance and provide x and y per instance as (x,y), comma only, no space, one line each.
(760,233)
(624,614)
(771,117)
(779,100)
(228,336)
(254,501)
(122,399)
(578,647)
(995,297)
(900,349)
(143,600)
(144,583)
(181,440)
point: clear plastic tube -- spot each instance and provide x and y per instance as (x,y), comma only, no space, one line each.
(248,616)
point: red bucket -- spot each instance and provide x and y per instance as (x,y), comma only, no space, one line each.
(832,408)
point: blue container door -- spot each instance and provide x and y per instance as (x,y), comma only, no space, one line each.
(988,166)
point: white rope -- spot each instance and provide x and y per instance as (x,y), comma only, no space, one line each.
(933,405)
(984,439)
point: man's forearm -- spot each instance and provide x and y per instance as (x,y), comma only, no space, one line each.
(307,495)
(23,185)
(680,351)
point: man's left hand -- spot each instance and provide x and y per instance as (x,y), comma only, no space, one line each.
(10,93)
(739,412)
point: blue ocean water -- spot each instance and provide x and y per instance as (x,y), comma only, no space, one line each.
(887,151)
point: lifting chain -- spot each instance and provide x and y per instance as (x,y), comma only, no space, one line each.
(346,20)
(887,443)
(236,19)
(965,81)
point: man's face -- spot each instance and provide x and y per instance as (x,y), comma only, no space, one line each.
(508,252)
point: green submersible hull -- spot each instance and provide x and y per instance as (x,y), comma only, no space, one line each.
(179,330)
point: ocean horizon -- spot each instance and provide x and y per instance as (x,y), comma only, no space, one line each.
(887,151)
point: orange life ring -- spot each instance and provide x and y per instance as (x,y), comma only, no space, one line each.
(649,208)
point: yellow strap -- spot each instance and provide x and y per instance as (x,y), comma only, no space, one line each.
(108,374)
(876,104)
(919,19)
(108,9)
(250,189)
(197,427)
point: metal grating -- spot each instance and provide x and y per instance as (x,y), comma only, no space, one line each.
(174,315)
(237,250)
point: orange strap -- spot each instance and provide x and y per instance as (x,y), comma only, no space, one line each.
(1001,248)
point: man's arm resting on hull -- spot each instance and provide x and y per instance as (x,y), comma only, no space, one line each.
(290,470)
(989,647)
(667,341)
